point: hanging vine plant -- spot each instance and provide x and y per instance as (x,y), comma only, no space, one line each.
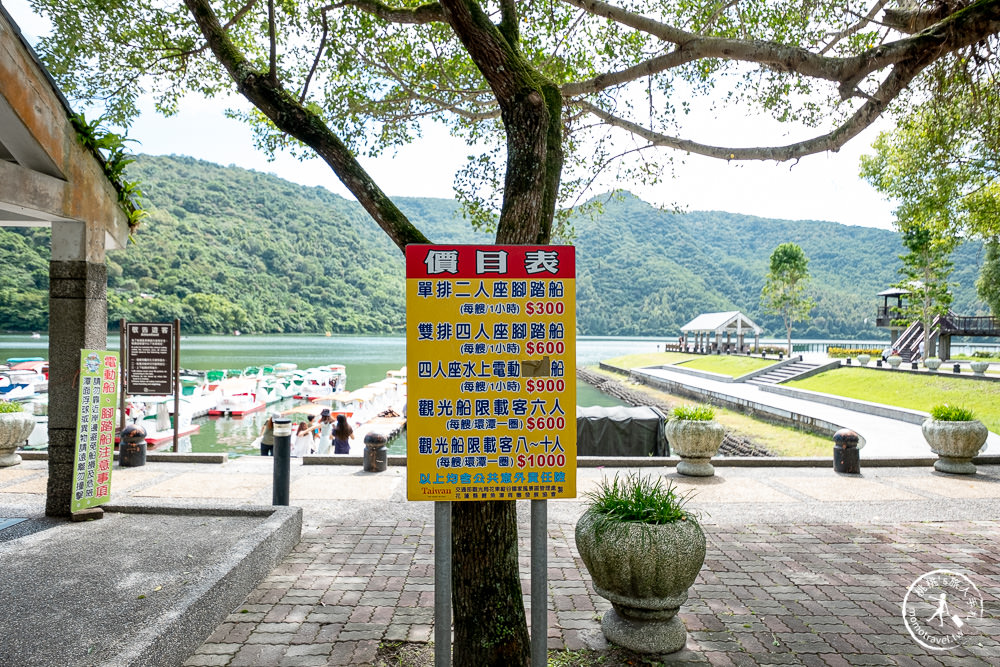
(111,152)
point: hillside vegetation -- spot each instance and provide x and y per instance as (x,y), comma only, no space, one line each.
(229,249)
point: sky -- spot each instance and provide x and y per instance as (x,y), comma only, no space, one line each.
(818,187)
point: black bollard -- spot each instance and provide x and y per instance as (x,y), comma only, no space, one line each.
(846,456)
(376,453)
(282,460)
(958,368)
(132,447)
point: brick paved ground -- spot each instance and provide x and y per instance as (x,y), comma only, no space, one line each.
(824,595)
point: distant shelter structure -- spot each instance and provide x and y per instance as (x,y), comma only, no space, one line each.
(719,333)
(907,335)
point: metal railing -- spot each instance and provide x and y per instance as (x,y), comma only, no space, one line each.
(973,325)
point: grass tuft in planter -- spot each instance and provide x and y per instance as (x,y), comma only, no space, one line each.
(637,500)
(697,413)
(952,413)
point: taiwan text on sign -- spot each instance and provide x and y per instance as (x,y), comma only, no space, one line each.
(95,429)
(491,363)
(149,361)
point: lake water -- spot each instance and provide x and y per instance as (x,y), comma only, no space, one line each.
(367,359)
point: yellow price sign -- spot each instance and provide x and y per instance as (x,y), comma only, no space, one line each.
(491,362)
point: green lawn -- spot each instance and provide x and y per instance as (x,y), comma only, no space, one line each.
(630,361)
(728,365)
(910,390)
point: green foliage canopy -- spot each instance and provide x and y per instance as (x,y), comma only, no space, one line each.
(942,161)
(925,270)
(784,290)
(988,285)
(627,77)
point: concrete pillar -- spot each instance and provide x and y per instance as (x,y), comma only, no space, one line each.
(78,320)
(944,347)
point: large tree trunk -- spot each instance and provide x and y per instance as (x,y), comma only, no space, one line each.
(490,625)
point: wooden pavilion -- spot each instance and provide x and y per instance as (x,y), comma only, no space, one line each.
(719,332)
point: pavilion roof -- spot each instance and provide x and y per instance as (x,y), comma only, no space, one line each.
(721,322)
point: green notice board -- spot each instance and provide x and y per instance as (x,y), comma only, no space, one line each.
(95,428)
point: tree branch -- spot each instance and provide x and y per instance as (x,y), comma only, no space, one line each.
(291,117)
(427,13)
(509,27)
(655,65)
(898,79)
(273,60)
(319,55)
(530,107)
(856,28)
(225,27)
(911,21)
(957,30)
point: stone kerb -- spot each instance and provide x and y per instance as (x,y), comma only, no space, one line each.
(866,407)
(708,375)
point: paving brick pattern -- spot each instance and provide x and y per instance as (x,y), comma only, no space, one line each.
(818,595)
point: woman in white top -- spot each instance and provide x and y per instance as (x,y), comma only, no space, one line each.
(326,423)
(304,438)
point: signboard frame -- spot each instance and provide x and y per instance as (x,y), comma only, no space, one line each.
(99,381)
(485,322)
(149,358)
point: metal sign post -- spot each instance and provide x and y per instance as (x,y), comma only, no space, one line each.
(539,584)
(442,583)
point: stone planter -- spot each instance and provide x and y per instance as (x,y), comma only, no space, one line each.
(696,442)
(955,443)
(863,359)
(645,572)
(932,364)
(15,427)
(979,367)
(895,360)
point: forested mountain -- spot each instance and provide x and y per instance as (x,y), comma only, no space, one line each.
(229,249)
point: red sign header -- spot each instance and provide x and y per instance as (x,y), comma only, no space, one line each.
(486,262)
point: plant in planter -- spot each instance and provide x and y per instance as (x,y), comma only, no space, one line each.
(956,436)
(895,360)
(863,359)
(932,363)
(695,436)
(643,550)
(15,427)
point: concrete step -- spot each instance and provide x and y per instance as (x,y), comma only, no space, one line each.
(784,373)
